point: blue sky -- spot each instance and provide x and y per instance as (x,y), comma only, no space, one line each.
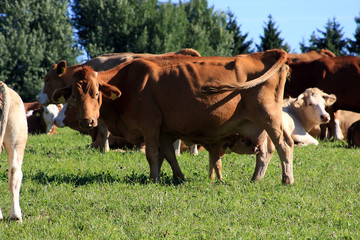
(296,20)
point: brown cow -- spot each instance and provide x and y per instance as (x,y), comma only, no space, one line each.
(206,113)
(60,75)
(13,136)
(309,56)
(336,75)
(57,77)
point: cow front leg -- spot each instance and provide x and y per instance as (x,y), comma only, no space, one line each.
(262,159)
(15,177)
(177,146)
(104,136)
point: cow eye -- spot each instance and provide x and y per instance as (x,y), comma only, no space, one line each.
(97,95)
(311,104)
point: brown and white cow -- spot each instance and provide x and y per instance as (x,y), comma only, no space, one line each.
(343,121)
(336,75)
(306,111)
(216,99)
(13,136)
(40,119)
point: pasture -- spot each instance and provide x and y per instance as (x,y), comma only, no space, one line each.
(70,191)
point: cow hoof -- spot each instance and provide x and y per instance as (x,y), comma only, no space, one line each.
(17,219)
(287,180)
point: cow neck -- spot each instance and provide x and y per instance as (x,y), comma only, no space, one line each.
(106,76)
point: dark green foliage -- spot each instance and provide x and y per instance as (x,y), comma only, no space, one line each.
(354,45)
(331,39)
(240,45)
(34,34)
(271,38)
(148,26)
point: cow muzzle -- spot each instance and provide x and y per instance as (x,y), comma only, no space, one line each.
(87,123)
(325,118)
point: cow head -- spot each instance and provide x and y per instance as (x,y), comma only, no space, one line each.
(313,102)
(50,112)
(56,78)
(87,91)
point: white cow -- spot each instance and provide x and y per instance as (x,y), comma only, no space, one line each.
(13,136)
(300,115)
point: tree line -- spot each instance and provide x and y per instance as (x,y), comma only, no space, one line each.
(35,34)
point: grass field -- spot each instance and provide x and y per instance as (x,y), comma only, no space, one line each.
(70,191)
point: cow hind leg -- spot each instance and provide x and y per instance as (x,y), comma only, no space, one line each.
(215,164)
(262,159)
(284,146)
(15,177)
(167,149)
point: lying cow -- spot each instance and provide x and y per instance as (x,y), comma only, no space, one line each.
(13,136)
(41,120)
(343,120)
(227,95)
(300,115)
(60,76)
(336,75)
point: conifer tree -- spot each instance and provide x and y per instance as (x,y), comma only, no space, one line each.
(34,34)
(241,46)
(354,45)
(271,38)
(332,39)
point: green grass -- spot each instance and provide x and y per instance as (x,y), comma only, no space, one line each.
(70,191)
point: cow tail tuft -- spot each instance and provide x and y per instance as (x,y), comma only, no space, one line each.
(4,91)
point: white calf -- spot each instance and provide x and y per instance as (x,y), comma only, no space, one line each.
(50,113)
(300,115)
(13,136)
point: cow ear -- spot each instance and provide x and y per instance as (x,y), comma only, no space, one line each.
(330,99)
(61,95)
(110,91)
(61,67)
(300,100)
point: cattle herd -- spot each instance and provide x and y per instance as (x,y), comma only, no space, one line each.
(247,104)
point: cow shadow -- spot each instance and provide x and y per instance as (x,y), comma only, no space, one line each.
(100,178)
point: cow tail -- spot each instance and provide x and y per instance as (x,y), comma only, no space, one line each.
(4,91)
(209,88)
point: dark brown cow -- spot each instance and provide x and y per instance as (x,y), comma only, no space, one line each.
(188,98)
(336,75)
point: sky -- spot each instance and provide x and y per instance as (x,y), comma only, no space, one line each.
(296,20)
